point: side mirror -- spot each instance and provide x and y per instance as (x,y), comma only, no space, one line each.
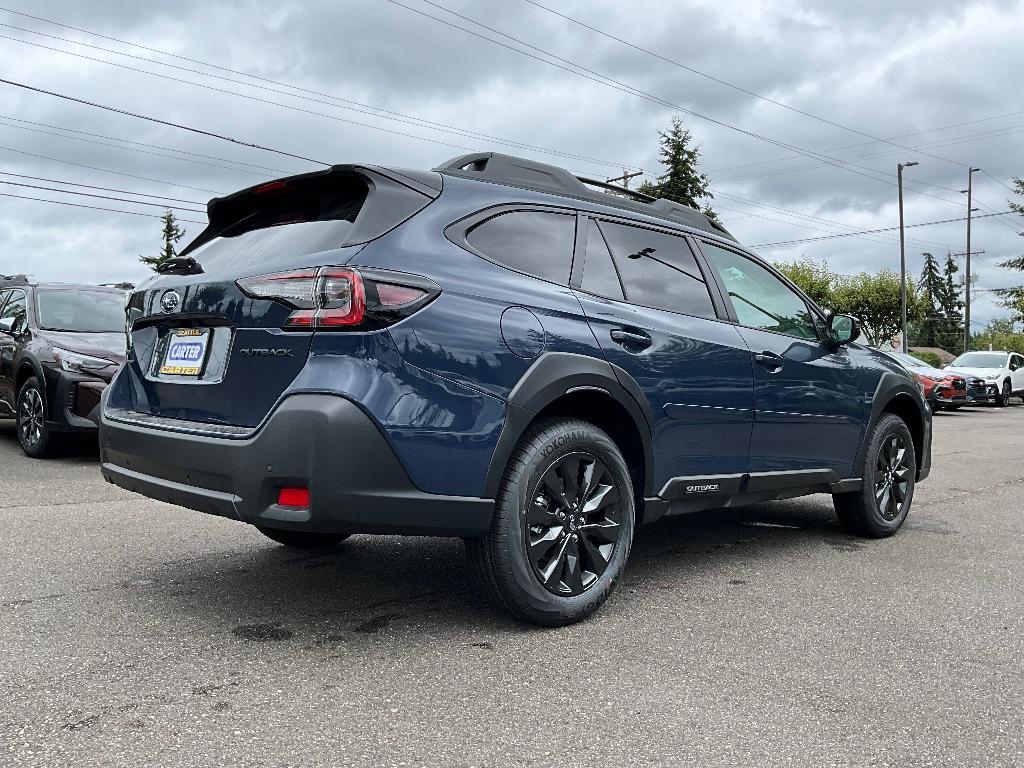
(7,324)
(843,329)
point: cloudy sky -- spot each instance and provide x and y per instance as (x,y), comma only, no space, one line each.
(787,99)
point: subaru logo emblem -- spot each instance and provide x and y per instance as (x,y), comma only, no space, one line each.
(169,301)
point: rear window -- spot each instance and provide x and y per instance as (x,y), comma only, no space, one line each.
(535,242)
(315,215)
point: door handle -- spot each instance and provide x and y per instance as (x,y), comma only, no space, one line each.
(636,339)
(770,360)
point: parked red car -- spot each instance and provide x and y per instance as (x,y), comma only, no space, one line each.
(942,390)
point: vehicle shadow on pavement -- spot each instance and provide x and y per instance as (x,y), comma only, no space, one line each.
(73,447)
(391,586)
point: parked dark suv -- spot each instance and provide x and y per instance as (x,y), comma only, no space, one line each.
(501,351)
(59,346)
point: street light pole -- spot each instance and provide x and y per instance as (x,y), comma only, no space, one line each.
(903,257)
(967,268)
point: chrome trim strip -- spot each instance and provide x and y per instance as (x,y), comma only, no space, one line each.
(135,418)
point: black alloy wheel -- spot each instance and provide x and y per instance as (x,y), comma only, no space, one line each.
(892,476)
(889,468)
(31,417)
(572,524)
(32,430)
(562,525)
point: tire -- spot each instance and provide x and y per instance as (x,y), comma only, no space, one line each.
(303,539)
(34,436)
(547,560)
(868,512)
(1003,398)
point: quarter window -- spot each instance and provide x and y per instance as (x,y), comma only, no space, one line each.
(599,275)
(658,270)
(761,300)
(15,310)
(535,242)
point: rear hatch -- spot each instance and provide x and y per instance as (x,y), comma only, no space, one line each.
(206,342)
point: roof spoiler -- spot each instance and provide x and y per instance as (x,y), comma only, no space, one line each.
(396,194)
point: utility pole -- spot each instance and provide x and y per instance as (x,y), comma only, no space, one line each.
(903,257)
(967,266)
(625,177)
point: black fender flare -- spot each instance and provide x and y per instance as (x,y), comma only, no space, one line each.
(27,361)
(890,386)
(554,375)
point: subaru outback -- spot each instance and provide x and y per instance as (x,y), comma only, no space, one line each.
(59,346)
(501,351)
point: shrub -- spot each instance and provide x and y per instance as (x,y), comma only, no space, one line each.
(929,358)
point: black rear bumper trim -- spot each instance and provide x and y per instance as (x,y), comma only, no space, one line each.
(321,442)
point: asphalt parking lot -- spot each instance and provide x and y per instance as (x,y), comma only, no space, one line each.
(133,633)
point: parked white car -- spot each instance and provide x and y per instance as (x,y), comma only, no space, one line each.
(1001,372)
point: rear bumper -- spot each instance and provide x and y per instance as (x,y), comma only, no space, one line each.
(322,442)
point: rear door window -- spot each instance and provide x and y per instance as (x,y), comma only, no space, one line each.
(658,270)
(538,243)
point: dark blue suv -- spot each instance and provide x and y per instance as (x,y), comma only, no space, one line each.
(501,351)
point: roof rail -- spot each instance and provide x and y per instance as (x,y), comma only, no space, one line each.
(530,174)
(616,189)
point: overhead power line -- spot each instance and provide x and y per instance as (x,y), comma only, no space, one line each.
(1003,183)
(726,83)
(873,231)
(833,225)
(592,75)
(105,170)
(158,120)
(100,197)
(102,189)
(3,122)
(292,91)
(869,143)
(93,207)
(983,135)
(141,144)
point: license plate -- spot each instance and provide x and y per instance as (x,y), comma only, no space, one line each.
(186,352)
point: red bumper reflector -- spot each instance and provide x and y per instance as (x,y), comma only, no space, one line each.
(293,497)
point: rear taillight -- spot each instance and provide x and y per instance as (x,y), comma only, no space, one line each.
(336,298)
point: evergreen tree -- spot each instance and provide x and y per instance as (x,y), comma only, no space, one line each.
(931,285)
(1013,298)
(172,233)
(951,309)
(682,182)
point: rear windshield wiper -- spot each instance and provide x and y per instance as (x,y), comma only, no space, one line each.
(180,265)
